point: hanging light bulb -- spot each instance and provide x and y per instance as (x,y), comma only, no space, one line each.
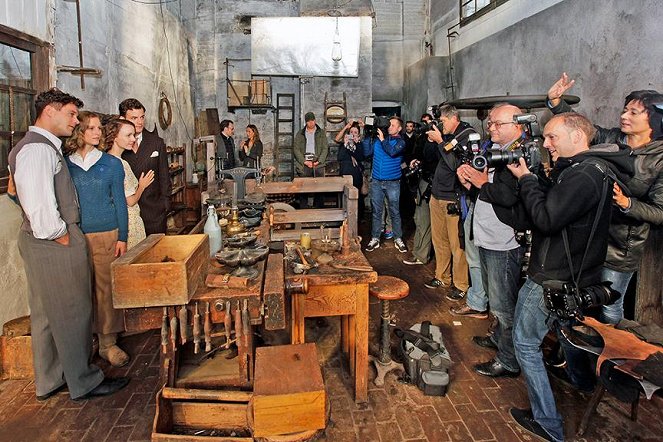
(336,54)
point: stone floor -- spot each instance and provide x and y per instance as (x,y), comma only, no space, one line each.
(475,408)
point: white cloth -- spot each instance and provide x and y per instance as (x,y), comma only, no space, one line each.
(36,165)
(85,163)
(310,141)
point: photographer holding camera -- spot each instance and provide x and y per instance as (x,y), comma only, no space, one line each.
(419,178)
(387,153)
(570,214)
(445,209)
(499,251)
(641,129)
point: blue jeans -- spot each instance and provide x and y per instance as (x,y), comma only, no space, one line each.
(529,329)
(392,190)
(500,271)
(611,314)
(476,295)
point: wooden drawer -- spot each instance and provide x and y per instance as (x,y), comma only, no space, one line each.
(160,271)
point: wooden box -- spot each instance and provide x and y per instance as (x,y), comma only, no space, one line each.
(16,350)
(159,271)
(288,392)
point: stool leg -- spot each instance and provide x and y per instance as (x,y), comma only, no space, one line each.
(385,342)
(384,364)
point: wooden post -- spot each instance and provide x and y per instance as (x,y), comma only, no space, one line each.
(649,294)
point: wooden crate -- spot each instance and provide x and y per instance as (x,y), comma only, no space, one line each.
(161,270)
(289,393)
(201,415)
(16,350)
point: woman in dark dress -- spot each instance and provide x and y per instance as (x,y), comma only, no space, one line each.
(251,150)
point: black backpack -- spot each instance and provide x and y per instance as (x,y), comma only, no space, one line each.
(425,358)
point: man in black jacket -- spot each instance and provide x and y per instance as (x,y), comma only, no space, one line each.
(579,192)
(640,129)
(149,153)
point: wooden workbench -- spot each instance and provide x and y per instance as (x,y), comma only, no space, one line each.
(339,292)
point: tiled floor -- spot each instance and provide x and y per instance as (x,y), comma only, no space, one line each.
(475,409)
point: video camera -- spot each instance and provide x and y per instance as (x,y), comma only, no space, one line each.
(566,301)
(372,123)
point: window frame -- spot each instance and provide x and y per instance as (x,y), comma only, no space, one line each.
(39,64)
(493,4)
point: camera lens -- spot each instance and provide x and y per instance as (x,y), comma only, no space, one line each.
(479,162)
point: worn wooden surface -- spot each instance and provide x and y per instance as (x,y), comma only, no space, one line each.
(274,293)
(334,291)
(289,393)
(141,278)
(649,298)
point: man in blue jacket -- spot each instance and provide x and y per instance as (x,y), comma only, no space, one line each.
(387,158)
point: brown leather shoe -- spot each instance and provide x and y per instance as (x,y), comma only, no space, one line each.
(468,312)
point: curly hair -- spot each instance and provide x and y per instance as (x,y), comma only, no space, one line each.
(56,98)
(76,140)
(112,128)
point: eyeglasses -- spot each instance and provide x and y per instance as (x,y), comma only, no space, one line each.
(633,112)
(498,124)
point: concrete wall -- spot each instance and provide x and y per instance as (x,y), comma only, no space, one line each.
(134,63)
(141,50)
(523,47)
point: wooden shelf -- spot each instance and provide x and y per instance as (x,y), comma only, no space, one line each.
(176,190)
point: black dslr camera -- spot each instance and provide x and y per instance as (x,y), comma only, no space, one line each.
(373,123)
(563,299)
(527,148)
(422,128)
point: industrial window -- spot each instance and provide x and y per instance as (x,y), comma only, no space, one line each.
(23,73)
(471,9)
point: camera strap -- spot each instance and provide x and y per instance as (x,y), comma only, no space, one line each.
(599,210)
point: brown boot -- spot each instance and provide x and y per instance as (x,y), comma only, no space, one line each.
(109,350)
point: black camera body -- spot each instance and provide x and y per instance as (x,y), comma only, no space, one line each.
(563,299)
(372,123)
(422,128)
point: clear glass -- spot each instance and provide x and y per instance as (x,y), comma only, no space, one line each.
(15,67)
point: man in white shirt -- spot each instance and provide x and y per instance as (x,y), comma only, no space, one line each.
(54,252)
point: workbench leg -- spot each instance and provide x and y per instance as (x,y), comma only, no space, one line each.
(297,332)
(361,344)
(591,408)
(352,343)
(344,334)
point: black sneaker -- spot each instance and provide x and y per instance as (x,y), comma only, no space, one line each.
(525,419)
(400,245)
(456,295)
(434,284)
(373,244)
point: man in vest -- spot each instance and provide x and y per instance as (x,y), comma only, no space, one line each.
(54,253)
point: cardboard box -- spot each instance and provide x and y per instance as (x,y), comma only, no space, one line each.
(160,271)
(288,392)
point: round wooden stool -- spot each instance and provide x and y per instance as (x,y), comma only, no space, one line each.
(386,288)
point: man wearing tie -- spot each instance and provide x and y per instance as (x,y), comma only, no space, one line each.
(148,153)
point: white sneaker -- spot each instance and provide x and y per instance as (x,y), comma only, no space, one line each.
(400,245)
(373,244)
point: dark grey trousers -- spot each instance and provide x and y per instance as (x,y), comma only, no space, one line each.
(59,294)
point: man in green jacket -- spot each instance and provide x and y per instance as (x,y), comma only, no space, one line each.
(310,149)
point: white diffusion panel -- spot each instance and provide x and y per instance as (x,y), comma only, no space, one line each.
(302,46)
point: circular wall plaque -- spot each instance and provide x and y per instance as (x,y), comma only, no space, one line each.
(165,112)
(335,114)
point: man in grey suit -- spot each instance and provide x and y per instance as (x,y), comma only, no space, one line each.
(54,253)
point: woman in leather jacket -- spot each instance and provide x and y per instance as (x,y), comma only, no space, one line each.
(641,130)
